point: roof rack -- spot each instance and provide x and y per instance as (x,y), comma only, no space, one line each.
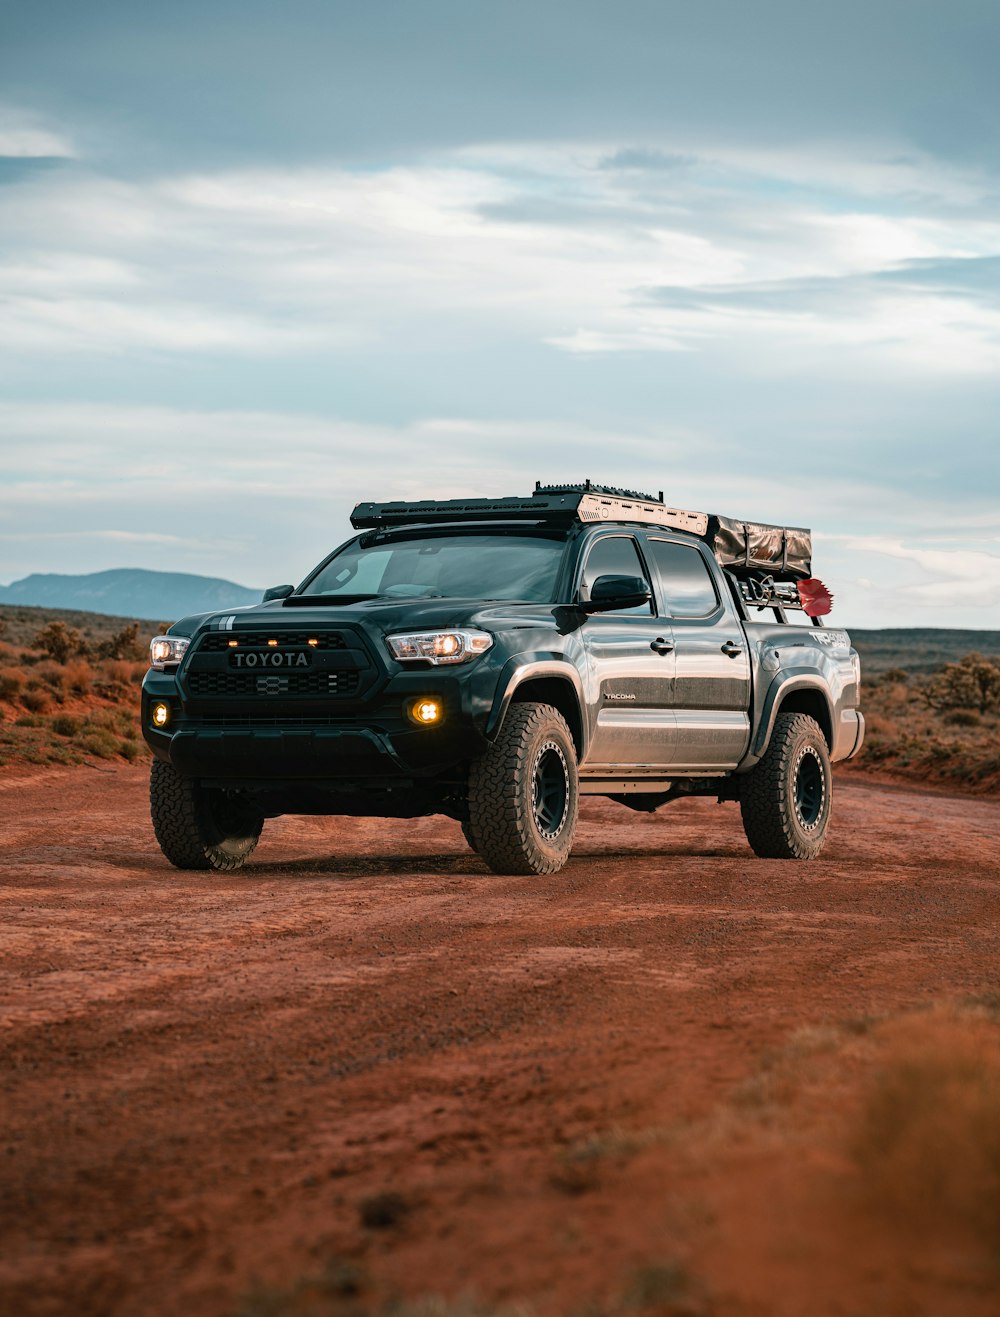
(563,504)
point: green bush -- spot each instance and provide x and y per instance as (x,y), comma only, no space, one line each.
(100,743)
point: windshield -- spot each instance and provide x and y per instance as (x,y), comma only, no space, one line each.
(445,567)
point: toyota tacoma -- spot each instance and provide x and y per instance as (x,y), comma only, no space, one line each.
(494,660)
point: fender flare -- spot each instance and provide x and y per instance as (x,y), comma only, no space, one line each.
(516,672)
(776,692)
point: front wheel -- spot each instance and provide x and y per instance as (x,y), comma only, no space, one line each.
(523,793)
(200,828)
(785,798)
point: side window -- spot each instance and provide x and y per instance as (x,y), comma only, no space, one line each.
(615,556)
(685,579)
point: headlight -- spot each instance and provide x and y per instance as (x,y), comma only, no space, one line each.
(167,649)
(439,647)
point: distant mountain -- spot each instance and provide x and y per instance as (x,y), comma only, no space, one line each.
(130,592)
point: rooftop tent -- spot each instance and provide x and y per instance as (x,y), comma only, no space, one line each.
(781,551)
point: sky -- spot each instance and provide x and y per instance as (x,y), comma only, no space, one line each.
(259,263)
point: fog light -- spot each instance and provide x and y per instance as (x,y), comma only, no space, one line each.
(426,711)
(160,714)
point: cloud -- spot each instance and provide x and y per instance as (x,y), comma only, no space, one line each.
(24,137)
(951,577)
(638,158)
(544,244)
(259,495)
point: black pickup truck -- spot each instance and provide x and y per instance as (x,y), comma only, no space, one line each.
(495,659)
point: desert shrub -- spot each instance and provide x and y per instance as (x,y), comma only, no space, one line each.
(100,743)
(131,749)
(123,644)
(50,674)
(121,674)
(877,724)
(65,725)
(11,683)
(37,701)
(29,720)
(972,683)
(121,722)
(79,677)
(891,676)
(963,717)
(59,641)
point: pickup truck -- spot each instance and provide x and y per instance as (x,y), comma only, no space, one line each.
(494,660)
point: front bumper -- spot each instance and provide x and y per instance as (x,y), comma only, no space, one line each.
(371,745)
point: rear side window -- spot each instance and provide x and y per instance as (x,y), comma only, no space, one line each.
(685,579)
(615,556)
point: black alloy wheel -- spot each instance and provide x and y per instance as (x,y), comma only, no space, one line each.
(810,788)
(551,791)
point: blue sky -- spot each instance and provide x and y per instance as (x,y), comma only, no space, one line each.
(258,263)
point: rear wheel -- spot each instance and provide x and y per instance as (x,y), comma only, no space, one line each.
(785,799)
(523,793)
(198,827)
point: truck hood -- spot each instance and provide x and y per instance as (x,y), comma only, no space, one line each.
(384,615)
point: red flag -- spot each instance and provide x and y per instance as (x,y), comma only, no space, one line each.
(816,598)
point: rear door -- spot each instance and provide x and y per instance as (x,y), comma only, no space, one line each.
(711,692)
(630,666)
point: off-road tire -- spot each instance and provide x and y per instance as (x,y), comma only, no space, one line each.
(198,828)
(470,837)
(524,794)
(785,798)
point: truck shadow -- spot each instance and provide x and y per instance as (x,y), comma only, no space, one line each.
(369,866)
(470,866)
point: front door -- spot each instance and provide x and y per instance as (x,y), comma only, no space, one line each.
(630,669)
(711,696)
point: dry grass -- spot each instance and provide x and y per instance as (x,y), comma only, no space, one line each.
(82,709)
(927,1143)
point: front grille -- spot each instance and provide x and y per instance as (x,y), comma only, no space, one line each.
(206,685)
(259,720)
(219,641)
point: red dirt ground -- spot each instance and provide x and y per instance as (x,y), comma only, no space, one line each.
(628,1088)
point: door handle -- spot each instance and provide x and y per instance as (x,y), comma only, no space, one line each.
(732,649)
(662,646)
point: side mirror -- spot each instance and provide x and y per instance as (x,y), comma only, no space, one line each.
(278,592)
(608,594)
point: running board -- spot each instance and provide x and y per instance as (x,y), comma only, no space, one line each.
(625,786)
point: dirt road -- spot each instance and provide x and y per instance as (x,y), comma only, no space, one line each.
(365,1069)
